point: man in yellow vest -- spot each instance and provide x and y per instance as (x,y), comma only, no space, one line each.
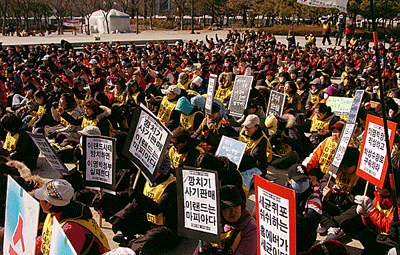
(184,150)
(75,219)
(150,220)
(258,151)
(166,112)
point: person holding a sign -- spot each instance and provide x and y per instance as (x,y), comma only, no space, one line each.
(239,234)
(308,207)
(258,150)
(377,215)
(18,142)
(150,220)
(339,211)
(212,129)
(75,219)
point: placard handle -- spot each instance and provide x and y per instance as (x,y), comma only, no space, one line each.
(101,211)
(137,178)
(366,188)
(329,180)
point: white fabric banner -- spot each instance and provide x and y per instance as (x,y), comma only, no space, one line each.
(338,4)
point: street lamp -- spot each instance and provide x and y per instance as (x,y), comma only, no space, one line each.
(192,23)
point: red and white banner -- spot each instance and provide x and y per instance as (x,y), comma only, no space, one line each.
(338,4)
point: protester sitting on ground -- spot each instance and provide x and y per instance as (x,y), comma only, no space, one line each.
(150,220)
(166,112)
(377,214)
(225,86)
(239,231)
(184,150)
(308,207)
(253,107)
(65,130)
(318,161)
(339,210)
(258,151)
(18,143)
(191,116)
(212,129)
(75,219)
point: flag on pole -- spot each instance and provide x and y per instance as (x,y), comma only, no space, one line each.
(338,4)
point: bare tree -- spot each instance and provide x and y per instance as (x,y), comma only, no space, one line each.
(106,6)
(182,7)
(60,9)
(85,9)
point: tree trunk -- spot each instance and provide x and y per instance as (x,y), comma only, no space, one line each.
(181,18)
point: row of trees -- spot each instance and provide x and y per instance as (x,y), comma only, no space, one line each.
(221,11)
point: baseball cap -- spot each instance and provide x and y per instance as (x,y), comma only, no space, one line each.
(297,172)
(230,196)
(183,105)
(90,131)
(173,89)
(251,120)
(300,80)
(339,125)
(93,61)
(57,192)
(271,123)
(272,73)
(46,57)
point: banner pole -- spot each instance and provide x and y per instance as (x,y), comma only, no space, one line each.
(366,188)
(136,179)
(101,211)
(329,180)
(382,98)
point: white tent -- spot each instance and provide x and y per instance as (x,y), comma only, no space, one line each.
(117,21)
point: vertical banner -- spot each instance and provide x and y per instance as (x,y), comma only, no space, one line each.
(355,106)
(240,95)
(49,153)
(198,204)
(100,155)
(231,149)
(147,141)
(212,81)
(21,221)
(373,162)
(276,103)
(276,218)
(344,141)
(60,243)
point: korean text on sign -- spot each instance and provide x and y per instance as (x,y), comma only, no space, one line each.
(274,223)
(374,153)
(200,201)
(148,141)
(99,160)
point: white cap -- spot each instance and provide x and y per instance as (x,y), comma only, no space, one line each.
(251,120)
(46,57)
(173,89)
(90,131)
(93,61)
(57,192)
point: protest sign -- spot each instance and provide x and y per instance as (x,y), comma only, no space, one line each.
(355,106)
(198,203)
(344,141)
(231,149)
(276,218)
(212,81)
(373,162)
(276,103)
(72,22)
(240,95)
(60,243)
(100,155)
(49,153)
(147,141)
(340,105)
(338,4)
(21,220)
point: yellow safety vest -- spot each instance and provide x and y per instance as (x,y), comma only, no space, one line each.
(314,99)
(155,193)
(225,237)
(187,121)
(325,26)
(346,181)
(79,101)
(86,122)
(223,93)
(285,148)
(193,93)
(183,86)
(317,124)
(177,159)
(252,144)
(166,108)
(89,224)
(11,142)
(327,154)
(119,97)
(38,114)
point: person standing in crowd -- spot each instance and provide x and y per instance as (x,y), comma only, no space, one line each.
(340,26)
(326,31)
